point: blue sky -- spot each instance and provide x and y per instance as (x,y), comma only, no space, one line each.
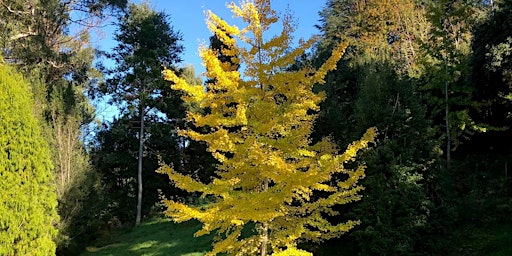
(188,17)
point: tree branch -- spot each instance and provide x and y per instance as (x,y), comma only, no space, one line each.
(54,65)
(18,12)
(23,35)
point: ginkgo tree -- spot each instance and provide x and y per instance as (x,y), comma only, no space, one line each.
(273,185)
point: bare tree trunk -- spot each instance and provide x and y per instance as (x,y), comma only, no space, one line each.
(139,171)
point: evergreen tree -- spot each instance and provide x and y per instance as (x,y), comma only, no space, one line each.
(397,209)
(115,158)
(28,205)
(36,38)
(376,85)
(146,42)
(258,128)
(374,29)
(492,78)
(198,162)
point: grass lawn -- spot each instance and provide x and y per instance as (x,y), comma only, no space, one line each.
(162,237)
(158,237)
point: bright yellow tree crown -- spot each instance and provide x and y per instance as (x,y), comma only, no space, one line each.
(258,127)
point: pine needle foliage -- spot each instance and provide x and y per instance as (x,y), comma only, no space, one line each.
(28,202)
(270,175)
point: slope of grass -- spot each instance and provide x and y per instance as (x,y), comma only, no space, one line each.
(158,237)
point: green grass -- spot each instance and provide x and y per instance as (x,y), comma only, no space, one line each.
(164,237)
(483,240)
(158,237)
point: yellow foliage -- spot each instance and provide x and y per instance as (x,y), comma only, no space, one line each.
(292,252)
(258,128)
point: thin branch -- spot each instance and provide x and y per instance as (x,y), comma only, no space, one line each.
(23,35)
(18,12)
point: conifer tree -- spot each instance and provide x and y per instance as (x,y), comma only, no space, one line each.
(269,174)
(49,42)
(28,202)
(146,42)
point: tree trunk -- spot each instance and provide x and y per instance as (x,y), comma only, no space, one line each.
(448,136)
(139,170)
(446,92)
(447,111)
(264,228)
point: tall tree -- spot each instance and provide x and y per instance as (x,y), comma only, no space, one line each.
(36,34)
(492,76)
(65,118)
(397,211)
(376,84)
(196,160)
(28,204)
(146,41)
(258,129)
(49,42)
(375,28)
(115,158)
(447,55)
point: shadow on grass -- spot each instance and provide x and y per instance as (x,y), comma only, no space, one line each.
(158,237)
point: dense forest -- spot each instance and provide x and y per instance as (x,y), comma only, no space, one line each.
(388,133)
